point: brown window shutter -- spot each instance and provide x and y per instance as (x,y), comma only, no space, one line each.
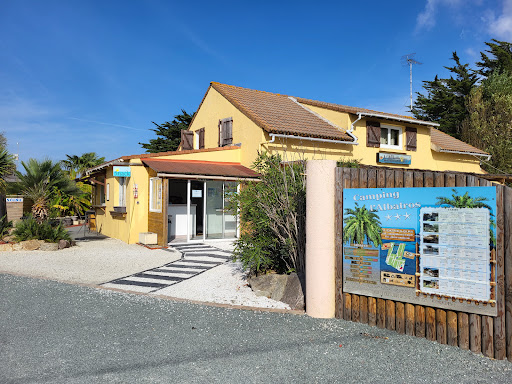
(410,138)
(373,134)
(220,133)
(201,138)
(187,139)
(228,139)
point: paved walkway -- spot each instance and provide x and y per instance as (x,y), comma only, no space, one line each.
(195,259)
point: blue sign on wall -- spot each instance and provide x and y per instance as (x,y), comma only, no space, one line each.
(394,158)
(122,171)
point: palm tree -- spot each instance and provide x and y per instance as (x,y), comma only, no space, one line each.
(361,224)
(77,165)
(464,201)
(40,181)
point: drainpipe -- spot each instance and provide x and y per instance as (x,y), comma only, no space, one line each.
(354,123)
(274,135)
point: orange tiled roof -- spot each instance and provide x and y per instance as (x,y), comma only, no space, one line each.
(279,114)
(449,143)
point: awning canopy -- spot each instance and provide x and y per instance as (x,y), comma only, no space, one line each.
(199,169)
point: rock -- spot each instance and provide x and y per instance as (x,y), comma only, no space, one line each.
(17,247)
(271,285)
(294,291)
(30,245)
(8,238)
(64,244)
(49,247)
(6,248)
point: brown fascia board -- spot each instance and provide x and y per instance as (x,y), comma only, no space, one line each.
(171,153)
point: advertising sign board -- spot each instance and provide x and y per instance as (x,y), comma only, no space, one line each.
(429,246)
(122,171)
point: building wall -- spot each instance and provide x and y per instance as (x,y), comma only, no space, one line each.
(125,227)
(253,138)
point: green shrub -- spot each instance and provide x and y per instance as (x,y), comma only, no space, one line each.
(272,217)
(349,163)
(5,225)
(30,229)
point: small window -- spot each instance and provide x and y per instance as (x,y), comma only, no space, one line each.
(390,137)
(107,194)
(155,194)
(122,192)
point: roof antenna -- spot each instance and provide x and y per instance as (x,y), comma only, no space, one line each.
(409,60)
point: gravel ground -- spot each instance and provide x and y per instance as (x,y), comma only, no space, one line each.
(100,261)
(59,333)
(89,262)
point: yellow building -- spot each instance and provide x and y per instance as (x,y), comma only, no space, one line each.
(182,194)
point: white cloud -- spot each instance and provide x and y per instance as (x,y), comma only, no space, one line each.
(427,18)
(500,27)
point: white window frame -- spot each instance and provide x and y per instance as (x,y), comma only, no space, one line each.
(152,203)
(389,128)
(122,191)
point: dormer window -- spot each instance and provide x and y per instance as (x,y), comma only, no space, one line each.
(390,137)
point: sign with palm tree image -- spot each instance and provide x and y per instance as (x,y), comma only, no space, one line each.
(420,244)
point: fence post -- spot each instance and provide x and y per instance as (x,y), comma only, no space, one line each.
(320,238)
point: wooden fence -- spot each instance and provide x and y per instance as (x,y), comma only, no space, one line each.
(491,336)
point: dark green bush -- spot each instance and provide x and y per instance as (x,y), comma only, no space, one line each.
(30,229)
(5,225)
(272,217)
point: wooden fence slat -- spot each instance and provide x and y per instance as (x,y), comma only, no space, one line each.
(372,178)
(475,333)
(399,178)
(428,179)
(430,321)
(487,336)
(451,331)
(390,178)
(438,179)
(354,178)
(418,179)
(449,180)
(390,315)
(507,205)
(408,179)
(355,308)
(381,313)
(441,326)
(347,310)
(463,330)
(381,178)
(363,178)
(410,321)
(363,309)
(419,313)
(372,311)
(400,318)
(500,350)
(338,307)
(460,180)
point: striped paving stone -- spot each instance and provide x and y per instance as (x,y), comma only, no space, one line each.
(196,259)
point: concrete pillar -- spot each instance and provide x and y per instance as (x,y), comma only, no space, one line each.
(320,232)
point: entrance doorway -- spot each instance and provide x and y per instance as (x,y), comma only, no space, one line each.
(202,206)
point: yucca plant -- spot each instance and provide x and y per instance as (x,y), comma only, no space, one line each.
(33,229)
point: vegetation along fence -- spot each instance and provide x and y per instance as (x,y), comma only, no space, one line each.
(477,325)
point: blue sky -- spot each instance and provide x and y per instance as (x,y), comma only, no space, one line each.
(81,76)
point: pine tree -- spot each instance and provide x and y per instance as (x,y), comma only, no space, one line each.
(168,134)
(500,61)
(445,99)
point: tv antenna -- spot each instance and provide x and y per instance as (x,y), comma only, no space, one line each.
(409,60)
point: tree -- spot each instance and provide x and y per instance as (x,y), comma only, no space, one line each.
(169,133)
(40,182)
(77,165)
(500,61)
(489,122)
(360,225)
(445,100)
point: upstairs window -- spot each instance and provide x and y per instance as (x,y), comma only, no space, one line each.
(390,137)
(225,132)
(199,139)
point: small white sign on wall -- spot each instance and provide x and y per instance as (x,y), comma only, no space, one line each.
(14,199)
(197,193)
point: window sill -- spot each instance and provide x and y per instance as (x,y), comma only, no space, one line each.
(393,150)
(117,214)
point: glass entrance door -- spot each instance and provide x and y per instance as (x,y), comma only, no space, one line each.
(220,223)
